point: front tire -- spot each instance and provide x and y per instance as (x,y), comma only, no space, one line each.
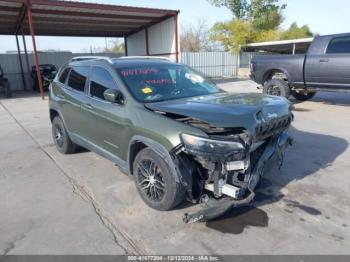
(277,87)
(304,96)
(155,182)
(61,138)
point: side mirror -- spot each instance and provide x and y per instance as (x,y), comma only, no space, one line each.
(114,96)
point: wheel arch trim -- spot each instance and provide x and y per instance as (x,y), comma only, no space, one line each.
(269,71)
(157,148)
(53,108)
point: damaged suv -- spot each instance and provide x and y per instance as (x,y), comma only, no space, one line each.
(174,132)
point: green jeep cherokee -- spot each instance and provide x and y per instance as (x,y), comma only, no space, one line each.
(174,132)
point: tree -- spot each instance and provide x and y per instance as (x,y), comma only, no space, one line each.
(239,8)
(254,21)
(117,46)
(263,14)
(266,14)
(233,34)
(295,32)
(196,38)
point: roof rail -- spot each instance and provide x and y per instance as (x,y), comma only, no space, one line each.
(148,57)
(84,58)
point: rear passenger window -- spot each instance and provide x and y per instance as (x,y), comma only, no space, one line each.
(78,77)
(63,76)
(100,81)
(339,45)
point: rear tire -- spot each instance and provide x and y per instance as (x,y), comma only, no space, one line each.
(303,96)
(155,182)
(277,87)
(61,138)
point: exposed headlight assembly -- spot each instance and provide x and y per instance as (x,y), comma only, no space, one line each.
(210,147)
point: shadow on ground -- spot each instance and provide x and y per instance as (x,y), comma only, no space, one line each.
(328,98)
(227,80)
(22,94)
(311,153)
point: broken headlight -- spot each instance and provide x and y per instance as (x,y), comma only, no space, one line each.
(210,147)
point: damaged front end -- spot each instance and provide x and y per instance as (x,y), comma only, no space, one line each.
(222,170)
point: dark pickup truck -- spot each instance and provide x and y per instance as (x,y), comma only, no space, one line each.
(326,66)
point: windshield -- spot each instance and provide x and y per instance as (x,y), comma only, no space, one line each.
(165,82)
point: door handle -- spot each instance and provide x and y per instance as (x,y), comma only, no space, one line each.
(324,60)
(88,106)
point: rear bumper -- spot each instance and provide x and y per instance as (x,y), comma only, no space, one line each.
(272,154)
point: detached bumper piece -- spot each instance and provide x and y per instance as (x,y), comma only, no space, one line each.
(215,207)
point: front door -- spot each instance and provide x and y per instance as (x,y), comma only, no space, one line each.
(104,124)
(331,69)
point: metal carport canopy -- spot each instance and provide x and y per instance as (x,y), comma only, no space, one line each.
(66,18)
(283,47)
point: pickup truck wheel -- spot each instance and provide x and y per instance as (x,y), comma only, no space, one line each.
(303,96)
(61,138)
(155,182)
(277,87)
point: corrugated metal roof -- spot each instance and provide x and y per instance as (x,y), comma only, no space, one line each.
(283,46)
(282,42)
(69,18)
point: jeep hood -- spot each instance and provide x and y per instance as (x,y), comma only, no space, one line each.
(226,110)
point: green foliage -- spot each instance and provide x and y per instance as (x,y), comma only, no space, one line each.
(117,46)
(263,14)
(267,35)
(266,14)
(233,34)
(239,8)
(295,32)
(254,21)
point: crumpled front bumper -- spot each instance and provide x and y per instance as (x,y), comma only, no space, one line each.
(216,207)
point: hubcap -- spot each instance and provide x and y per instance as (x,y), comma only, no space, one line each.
(274,90)
(58,136)
(150,180)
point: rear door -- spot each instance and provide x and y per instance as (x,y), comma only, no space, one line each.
(104,123)
(72,95)
(331,69)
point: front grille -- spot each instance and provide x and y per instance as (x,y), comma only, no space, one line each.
(273,127)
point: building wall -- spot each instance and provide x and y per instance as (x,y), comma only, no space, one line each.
(137,44)
(161,40)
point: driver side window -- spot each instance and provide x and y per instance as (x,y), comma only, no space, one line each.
(100,81)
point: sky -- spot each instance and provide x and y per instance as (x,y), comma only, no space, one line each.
(323,17)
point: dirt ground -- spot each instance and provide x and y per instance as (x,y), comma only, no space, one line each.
(82,204)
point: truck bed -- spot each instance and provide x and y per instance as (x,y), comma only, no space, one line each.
(291,65)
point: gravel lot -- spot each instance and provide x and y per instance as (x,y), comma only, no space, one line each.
(83,204)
